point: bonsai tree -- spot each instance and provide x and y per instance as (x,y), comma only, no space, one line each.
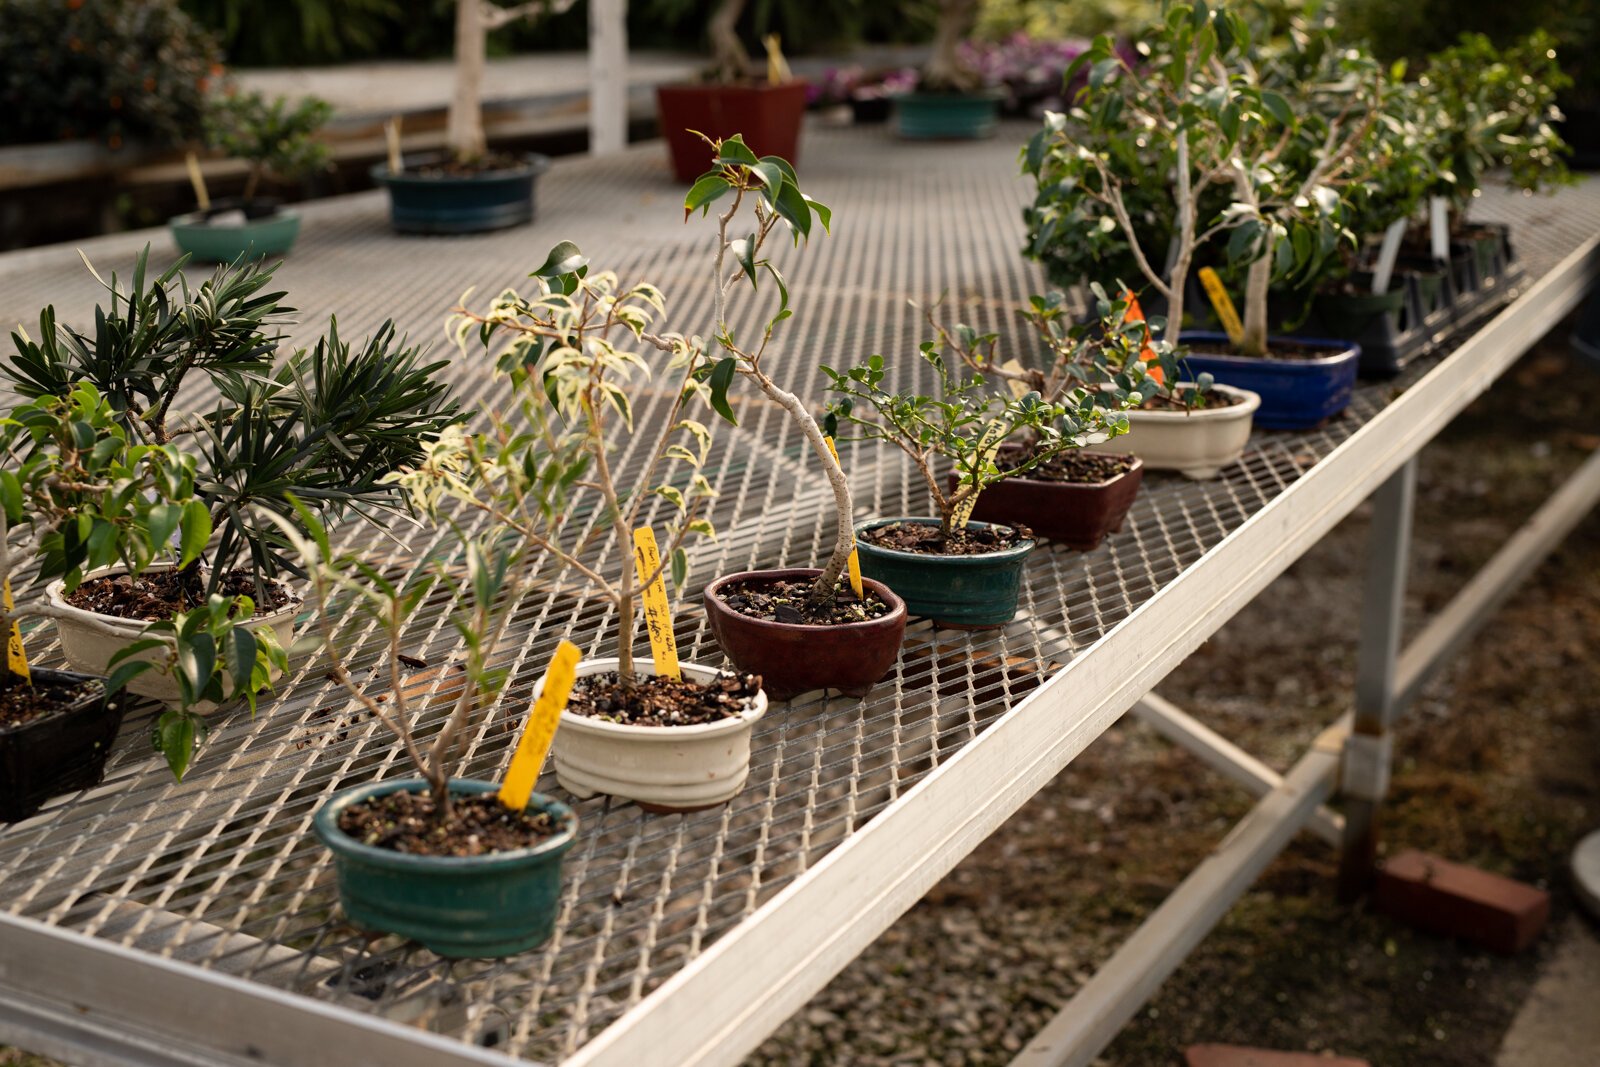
(83,496)
(948,69)
(475,19)
(1494,108)
(1196,106)
(327,423)
(275,138)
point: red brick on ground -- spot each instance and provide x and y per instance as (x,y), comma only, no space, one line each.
(1239,1056)
(1447,898)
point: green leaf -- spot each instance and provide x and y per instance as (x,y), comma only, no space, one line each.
(241,655)
(705,189)
(735,151)
(175,737)
(680,568)
(721,378)
(195,532)
(162,523)
(1277,107)
(11,497)
(564,258)
(793,209)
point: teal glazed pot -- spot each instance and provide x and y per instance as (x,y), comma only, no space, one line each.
(457,906)
(947,116)
(270,236)
(968,592)
(457,204)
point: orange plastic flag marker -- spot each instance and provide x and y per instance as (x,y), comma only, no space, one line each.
(16,658)
(1136,314)
(541,727)
(855,557)
(657,612)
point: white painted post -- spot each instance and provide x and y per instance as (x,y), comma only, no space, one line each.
(608,76)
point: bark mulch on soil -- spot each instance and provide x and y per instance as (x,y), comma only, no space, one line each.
(790,602)
(476,826)
(157,595)
(924,539)
(21,703)
(656,700)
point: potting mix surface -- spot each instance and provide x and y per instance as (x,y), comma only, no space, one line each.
(790,602)
(456,168)
(925,538)
(477,825)
(656,700)
(22,703)
(157,595)
(1076,467)
(1213,398)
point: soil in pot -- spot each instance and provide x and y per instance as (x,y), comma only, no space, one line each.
(450,167)
(22,703)
(157,595)
(925,539)
(477,825)
(1075,499)
(55,737)
(657,700)
(1075,468)
(1215,398)
(786,601)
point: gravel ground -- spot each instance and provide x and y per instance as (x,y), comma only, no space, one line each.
(1498,765)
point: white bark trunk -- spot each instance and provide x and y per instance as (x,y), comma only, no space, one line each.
(464,132)
(1257,282)
(608,76)
(730,59)
(945,71)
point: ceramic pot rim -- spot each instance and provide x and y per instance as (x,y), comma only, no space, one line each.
(134,627)
(533,164)
(87,705)
(897,606)
(326,825)
(1246,408)
(999,556)
(1339,351)
(1138,465)
(660,734)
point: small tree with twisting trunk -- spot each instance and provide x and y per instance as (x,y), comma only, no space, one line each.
(475,19)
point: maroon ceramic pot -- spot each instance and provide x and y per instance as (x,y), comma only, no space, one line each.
(1068,513)
(794,659)
(768,116)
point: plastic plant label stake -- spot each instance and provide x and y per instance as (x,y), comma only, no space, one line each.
(1383,270)
(16,658)
(1135,313)
(993,434)
(855,557)
(198,181)
(657,613)
(541,727)
(1439,227)
(1223,305)
(1018,389)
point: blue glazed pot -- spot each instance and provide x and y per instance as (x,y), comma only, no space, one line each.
(1296,394)
(947,116)
(457,906)
(472,203)
(971,592)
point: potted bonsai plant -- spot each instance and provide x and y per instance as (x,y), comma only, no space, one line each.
(327,423)
(957,572)
(444,860)
(1224,132)
(670,737)
(799,628)
(951,99)
(766,112)
(467,188)
(69,469)
(278,142)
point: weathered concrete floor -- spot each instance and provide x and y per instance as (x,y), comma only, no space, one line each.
(1559,1025)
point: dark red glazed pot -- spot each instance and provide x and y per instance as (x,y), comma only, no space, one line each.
(1074,514)
(793,659)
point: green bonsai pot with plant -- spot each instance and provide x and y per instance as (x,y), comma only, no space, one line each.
(278,142)
(950,100)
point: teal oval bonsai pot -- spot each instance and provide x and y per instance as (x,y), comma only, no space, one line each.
(947,116)
(460,203)
(272,235)
(457,906)
(971,592)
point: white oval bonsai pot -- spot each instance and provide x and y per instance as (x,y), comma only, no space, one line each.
(1198,443)
(89,639)
(662,768)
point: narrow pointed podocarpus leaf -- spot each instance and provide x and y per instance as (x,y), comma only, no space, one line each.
(16,658)
(541,728)
(1223,305)
(855,557)
(657,612)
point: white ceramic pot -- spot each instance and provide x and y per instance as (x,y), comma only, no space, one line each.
(1198,443)
(679,768)
(89,640)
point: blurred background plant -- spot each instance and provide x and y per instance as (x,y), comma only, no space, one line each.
(275,137)
(119,72)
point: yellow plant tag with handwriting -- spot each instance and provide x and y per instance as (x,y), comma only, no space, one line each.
(1223,305)
(1018,389)
(541,727)
(16,658)
(657,612)
(993,435)
(855,557)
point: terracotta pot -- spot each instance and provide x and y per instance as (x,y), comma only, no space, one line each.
(767,116)
(89,640)
(1073,514)
(663,768)
(794,659)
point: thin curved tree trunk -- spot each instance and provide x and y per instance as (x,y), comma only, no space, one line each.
(944,70)
(464,133)
(728,55)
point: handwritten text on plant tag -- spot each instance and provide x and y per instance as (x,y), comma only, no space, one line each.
(541,728)
(1223,305)
(993,434)
(16,658)
(657,612)
(855,557)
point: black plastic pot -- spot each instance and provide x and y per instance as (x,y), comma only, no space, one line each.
(454,204)
(59,753)
(870,110)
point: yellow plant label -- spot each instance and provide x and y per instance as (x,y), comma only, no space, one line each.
(855,557)
(993,435)
(657,613)
(1019,389)
(1223,305)
(541,728)
(16,658)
